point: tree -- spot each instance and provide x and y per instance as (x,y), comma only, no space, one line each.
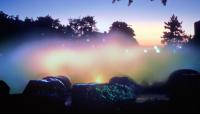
(12,26)
(124,30)
(174,36)
(164,2)
(83,26)
(48,22)
(3,15)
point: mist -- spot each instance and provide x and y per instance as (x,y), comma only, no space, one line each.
(94,61)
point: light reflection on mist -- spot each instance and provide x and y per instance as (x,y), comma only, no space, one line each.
(90,63)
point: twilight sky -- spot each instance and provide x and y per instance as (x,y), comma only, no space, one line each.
(144,16)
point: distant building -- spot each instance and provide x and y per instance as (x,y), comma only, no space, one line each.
(197,29)
(196,39)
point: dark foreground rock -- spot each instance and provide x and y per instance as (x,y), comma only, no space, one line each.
(21,104)
(184,90)
(4,89)
(54,95)
(184,84)
(49,86)
(58,88)
(125,80)
(93,97)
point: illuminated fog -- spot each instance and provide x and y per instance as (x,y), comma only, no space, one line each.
(90,61)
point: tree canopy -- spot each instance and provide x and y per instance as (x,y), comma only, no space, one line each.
(174,36)
(12,25)
(122,28)
(83,26)
(82,29)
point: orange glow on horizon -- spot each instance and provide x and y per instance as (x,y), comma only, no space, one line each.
(148,34)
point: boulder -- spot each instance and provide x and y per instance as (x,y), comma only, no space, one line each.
(49,86)
(184,85)
(62,79)
(4,88)
(98,95)
(124,80)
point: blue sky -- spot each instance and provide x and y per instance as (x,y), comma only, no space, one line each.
(144,16)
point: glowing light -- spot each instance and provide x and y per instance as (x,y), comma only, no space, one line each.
(99,79)
(145,51)
(155,47)
(157,50)
(55,60)
(59,59)
(180,47)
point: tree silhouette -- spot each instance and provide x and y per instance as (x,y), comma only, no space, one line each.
(12,27)
(164,2)
(9,25)
(48,22)
(28,21)
(174,36)
(83,26)
(124,30)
